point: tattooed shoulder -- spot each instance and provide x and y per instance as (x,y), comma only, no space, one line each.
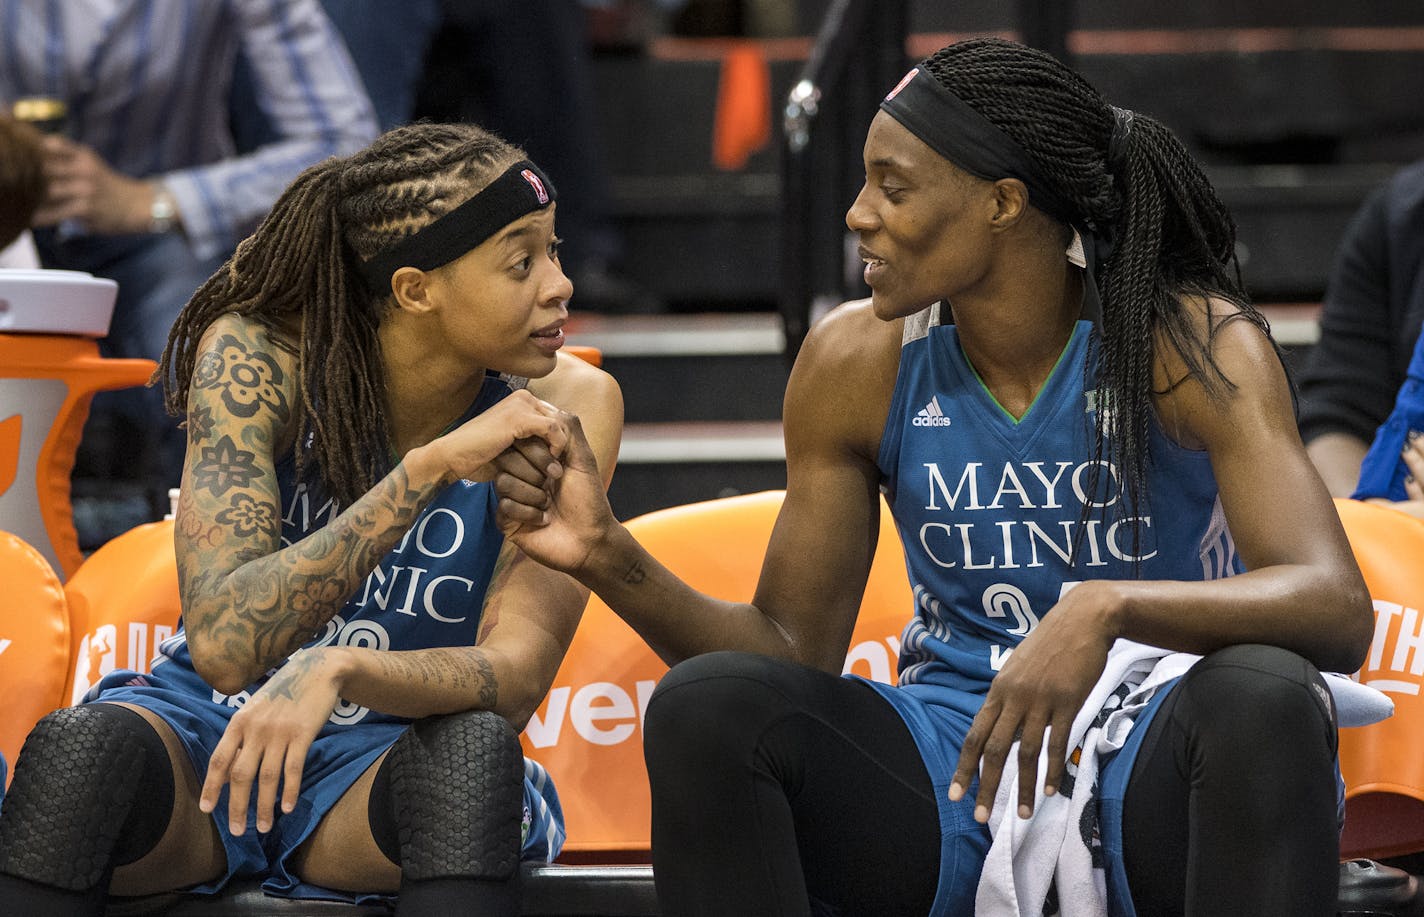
(244,368)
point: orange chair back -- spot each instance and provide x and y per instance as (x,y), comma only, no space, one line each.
(34,642)
(1383,764)
(588,731)
(123,602)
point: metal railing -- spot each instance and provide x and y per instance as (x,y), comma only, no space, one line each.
(859,53)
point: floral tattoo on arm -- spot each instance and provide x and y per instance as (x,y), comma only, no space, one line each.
(246,379)
(273,605)
(253,600)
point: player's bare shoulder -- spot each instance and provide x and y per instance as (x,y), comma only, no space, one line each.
(1226,335)
(247,369)
(1235,364)
(844,377)
(579,387)
(852,339)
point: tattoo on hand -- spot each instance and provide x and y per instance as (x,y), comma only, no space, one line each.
(283,683)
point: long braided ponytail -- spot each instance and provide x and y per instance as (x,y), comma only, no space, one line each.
(1135,186)
(297,276)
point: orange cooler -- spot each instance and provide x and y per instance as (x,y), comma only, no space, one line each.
(50,369)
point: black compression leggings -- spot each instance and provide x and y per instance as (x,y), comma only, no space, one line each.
(1232,808)
(781,790)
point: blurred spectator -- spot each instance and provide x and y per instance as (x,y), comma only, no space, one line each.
(1393,470)
(1374,307)
(388,42)
(517,67)
(22,188)
(145,185)
(521,69)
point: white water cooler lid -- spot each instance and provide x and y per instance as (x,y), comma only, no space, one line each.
(55,302)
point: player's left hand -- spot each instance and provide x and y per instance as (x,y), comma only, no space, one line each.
(1040,689)
(266,742)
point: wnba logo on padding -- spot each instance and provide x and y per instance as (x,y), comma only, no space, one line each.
(539,190)
(108,647)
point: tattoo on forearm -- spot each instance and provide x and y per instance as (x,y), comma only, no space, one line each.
(635,575)
(489,684)
(200,424)
(254,601)
(463,669)
(509,558)
(196,530)
(273,605)
(247,516)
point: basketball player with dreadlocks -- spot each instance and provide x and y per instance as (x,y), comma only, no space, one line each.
(360,646)
(1084,433)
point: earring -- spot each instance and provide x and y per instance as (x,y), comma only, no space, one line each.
(1075,252)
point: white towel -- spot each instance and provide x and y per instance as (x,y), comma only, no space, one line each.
(1026,854)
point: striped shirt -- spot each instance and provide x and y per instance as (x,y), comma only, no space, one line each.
(147,83)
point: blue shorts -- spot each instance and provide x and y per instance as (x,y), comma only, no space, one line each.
(939,731)
(338,756)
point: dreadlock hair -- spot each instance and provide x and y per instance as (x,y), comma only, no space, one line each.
(298,277)
(1135,186)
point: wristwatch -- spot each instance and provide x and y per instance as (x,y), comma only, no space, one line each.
(163,212)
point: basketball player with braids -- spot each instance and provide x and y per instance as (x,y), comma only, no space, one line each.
(360,645)
(1084,433)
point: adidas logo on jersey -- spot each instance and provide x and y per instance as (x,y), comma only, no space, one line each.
(930,415)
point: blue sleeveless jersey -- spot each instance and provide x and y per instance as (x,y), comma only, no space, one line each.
(429,591)
(990,514)
(989,510)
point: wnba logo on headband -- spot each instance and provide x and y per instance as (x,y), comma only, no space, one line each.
(503,201)
(537,185)
(904,81)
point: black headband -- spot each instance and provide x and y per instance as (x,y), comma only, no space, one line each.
(522,189)
(951,128)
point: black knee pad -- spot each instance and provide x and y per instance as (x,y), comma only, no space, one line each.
(93,788)
(454,788)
